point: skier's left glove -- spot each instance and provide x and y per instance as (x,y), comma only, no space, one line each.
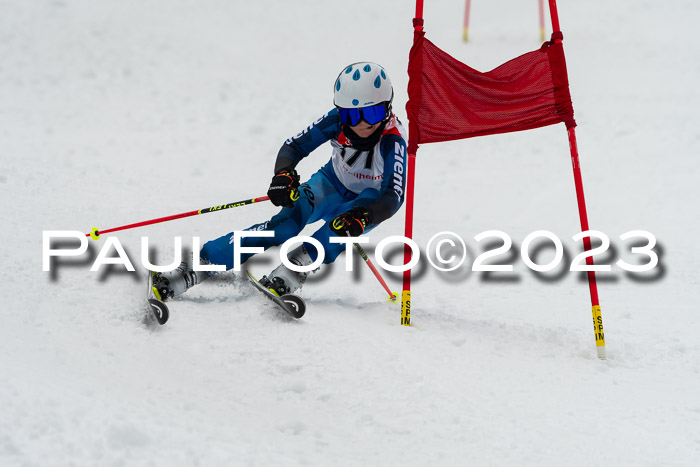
(352,222)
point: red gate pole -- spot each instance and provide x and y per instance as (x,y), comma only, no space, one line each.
(407,252)
(592,285)
(465,30)
(410,183)
(541,8)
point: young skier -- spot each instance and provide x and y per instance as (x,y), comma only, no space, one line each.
(361,186)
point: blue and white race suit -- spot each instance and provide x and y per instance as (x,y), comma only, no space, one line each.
(373,179)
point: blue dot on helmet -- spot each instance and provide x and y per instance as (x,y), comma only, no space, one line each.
(367,68)
(383,74)
(377,82)
(337,85)
(356,75)
(355,102)
(349,69)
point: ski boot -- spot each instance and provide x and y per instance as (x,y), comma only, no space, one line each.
(282,280)
(167,285)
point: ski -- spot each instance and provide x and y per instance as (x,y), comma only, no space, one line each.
(292,304)
(155,308)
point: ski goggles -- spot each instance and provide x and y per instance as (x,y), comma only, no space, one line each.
(372,114)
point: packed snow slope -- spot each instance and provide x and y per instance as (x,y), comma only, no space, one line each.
(116,112)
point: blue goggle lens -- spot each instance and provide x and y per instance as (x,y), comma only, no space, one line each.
(372,114)
(350,116)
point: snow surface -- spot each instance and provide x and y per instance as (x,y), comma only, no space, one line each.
(115,112)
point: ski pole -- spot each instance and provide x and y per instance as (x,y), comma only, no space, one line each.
(392,295)
(95,233)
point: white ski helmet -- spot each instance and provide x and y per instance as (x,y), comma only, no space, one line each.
(362,84)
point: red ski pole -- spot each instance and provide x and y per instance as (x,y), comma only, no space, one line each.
(95,233)
(392,296)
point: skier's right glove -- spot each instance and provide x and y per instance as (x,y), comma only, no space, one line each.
(283,188)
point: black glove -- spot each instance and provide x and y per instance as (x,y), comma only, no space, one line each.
(283,188)
(353,222)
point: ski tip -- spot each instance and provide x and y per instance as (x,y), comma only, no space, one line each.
(295,305)
(159,310)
